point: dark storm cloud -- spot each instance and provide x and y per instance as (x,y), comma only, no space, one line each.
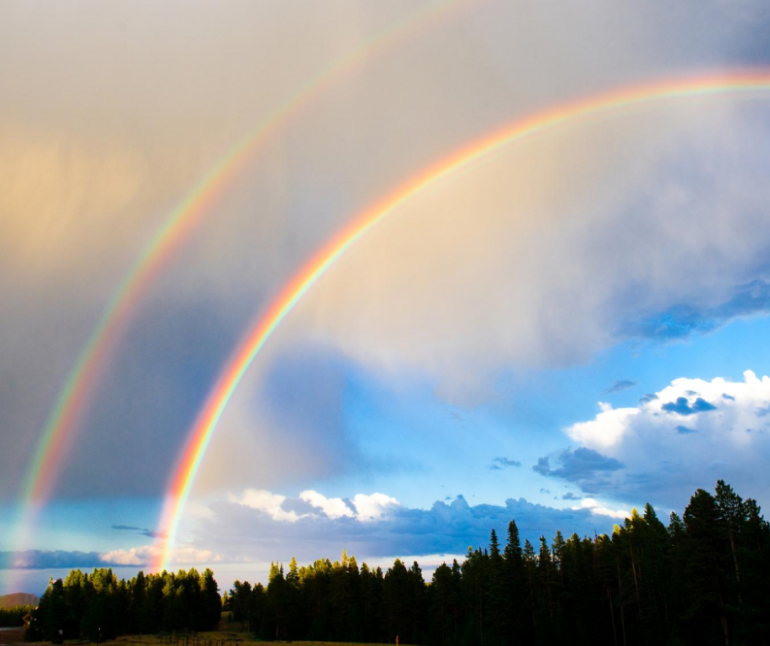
(621,384)
(682,406)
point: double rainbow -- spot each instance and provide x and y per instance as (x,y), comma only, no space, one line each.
(734,83)
(74,396)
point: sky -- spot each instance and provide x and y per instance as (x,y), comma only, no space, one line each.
(569,326)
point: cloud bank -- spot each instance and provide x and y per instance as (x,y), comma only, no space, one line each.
(685,436)
(260,525)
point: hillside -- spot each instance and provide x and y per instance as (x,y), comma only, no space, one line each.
(18,599)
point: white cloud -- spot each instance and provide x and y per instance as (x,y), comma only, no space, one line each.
(685,436)
(606,430)
(732,412)
(266,502)
(310,503)
(596,508)
(331,507)
(149,553)
(373,507)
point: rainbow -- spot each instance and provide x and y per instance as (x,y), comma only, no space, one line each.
(199,436)
(73,398)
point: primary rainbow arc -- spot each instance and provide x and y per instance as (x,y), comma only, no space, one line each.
(199,436)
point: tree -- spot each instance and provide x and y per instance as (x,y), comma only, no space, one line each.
(706,568)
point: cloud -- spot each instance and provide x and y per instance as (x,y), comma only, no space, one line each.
(422,315)
(149,533)
(585,467)
(684,319)
(330,507)
(618,386)
(149,554)
(142,556)
(310,503)
(242,531)
(503,463)
(682,406)
(570,496)
(265,502)
(666,460)
(599,510)
(45,559)
(374,506)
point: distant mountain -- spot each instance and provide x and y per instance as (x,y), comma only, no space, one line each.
(18,599)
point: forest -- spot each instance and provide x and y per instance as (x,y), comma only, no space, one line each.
(702,579)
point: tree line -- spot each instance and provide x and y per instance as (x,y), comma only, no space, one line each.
(702,579)
(13,616)
(99,607)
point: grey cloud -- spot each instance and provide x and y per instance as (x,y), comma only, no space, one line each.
(585,467)
(570,496)
(682,406)
(298,506)
(622,384)
(142,531)
(444,528)
(684,320)
(503,463)
(44,559)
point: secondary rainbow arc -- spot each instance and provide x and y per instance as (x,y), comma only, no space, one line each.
(199,436)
